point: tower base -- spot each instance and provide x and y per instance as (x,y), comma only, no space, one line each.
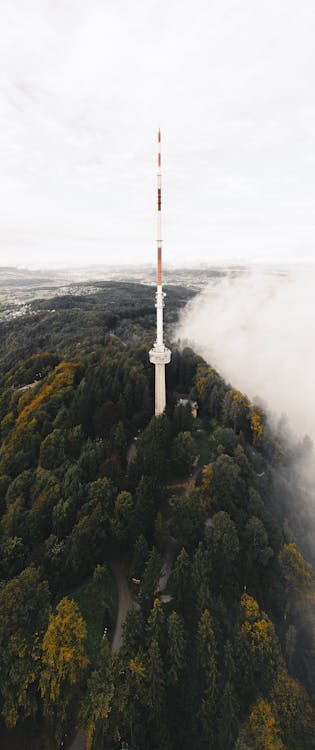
(160,390)
(160,358)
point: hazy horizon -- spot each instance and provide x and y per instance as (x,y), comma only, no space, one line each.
(241,263)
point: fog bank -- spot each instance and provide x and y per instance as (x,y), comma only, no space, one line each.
(257,330)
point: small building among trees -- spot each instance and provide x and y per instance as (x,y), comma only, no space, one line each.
(183,401)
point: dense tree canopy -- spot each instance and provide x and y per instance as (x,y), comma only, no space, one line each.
(218,649)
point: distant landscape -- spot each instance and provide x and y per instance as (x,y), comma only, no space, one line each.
(19,287)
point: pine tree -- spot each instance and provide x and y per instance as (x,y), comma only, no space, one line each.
(155,681)
(100,693)
(155,624)
(208,681)
(176,647)
(140,555)
(151,574)
(157,723)
(200,577)
(228,706)
(181,582)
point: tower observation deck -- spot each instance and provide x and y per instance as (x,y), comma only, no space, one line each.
(159,354)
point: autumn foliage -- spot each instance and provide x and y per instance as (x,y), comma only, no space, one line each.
(63,655)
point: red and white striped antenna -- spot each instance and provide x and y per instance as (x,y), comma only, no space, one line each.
(159,215)
(159,354)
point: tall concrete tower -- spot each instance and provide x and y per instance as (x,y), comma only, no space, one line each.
(159,354)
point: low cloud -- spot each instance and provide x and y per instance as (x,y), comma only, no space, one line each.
(257,328)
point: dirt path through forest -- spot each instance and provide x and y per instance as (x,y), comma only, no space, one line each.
(170,553)
(78,742)
(125,602)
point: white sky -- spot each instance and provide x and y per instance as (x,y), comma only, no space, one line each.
(84,86)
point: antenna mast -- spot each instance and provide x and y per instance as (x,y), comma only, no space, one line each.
(159,354)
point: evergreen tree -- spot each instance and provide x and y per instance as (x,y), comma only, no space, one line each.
(181,583)
(201,574)
(24,611)
(151,574)
(100,692)
(176,647)
(156,623)
(208,683)
(156,699)
(228,705)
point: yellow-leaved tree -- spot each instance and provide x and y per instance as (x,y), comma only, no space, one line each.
(259,649)
(295,712)
(257,419)
(298,575)
(63,658)
(262,730)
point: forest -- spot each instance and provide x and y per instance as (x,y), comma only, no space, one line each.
(222,656)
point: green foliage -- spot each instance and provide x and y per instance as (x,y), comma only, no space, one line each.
(151,574)
(201,570)
(256,540)
(189,516)
(229,704)
(196,664)
(297,573)
(140,555)
(156,621)
(227,484)
(208,682)
(153,452)
(259,654)
(183,453)
(155,681)
(223,539)
(181,581)
(123,518)
(24,611)
(52,450)
(295,712)
(100,691)
(176,648)
(97,601)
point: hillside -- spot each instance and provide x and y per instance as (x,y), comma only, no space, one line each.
(83,320)
(203,516)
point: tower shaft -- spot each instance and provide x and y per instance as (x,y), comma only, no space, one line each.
(159,354)
(160,389)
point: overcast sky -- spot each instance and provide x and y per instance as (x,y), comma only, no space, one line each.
(84,86)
